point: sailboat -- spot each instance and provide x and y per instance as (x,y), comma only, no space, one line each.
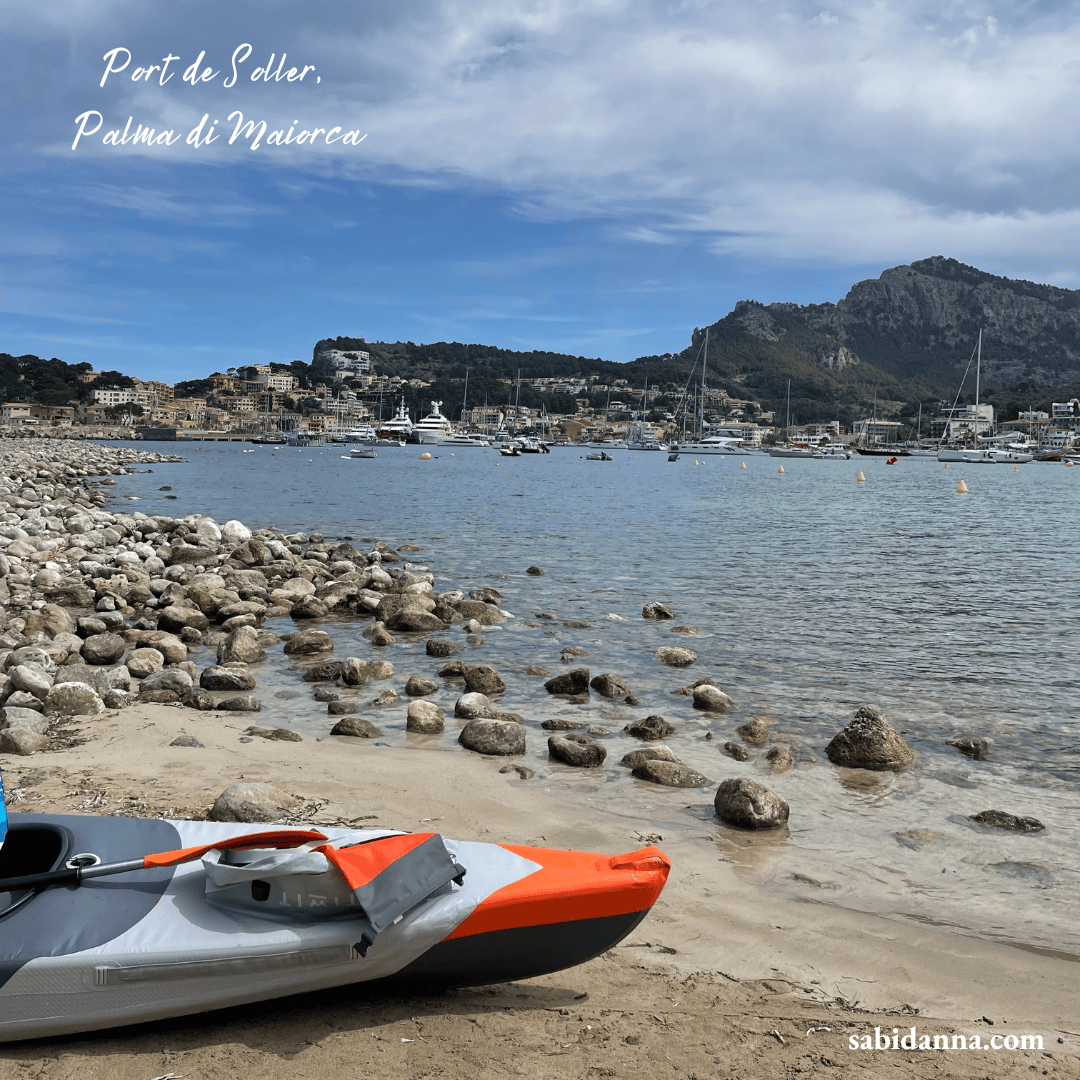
(707,444)
(977,456)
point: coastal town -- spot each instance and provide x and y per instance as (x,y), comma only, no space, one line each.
(347,400)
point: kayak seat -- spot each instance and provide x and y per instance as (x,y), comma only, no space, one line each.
(29,849)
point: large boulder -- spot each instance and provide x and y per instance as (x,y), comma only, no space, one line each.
(50,619)
(11,716)
(571,682)
(249,801)
(73,699)
(577,750)
(170,679)
(414,619)
(173,619)
(31,680)
(750,805)
(103,648)
(241,646)
(669,774)
(497,737)
(21,741)
(145,661)
(424,718)
(869,742)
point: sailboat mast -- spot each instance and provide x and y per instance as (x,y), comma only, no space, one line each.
(704,361)
(978,370)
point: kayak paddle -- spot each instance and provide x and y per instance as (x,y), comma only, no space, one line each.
(81,867)
(3,811)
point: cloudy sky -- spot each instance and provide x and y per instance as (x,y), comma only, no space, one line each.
(594,177)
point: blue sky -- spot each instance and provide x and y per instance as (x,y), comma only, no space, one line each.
(595,177)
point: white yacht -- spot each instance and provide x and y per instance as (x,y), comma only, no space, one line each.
(461,439)
(400,427)
(433,428)
(362,434)
(711,444)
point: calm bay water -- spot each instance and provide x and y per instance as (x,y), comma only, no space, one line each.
(815,594)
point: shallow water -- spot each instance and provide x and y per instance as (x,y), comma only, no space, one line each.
(814,594)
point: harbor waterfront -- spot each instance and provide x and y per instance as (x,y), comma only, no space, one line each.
(812,595)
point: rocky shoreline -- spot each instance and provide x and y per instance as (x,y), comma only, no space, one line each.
(101,607)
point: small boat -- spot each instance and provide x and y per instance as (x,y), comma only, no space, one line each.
(201,915)
(602,456)
(510,450)
(673,456)
(362,452)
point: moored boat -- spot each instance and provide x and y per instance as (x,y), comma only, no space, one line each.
(201,915)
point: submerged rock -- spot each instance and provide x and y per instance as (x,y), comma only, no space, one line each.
(650,729)
(577,750)
(669,774)
(495,737)
(1000,819)
(570,682)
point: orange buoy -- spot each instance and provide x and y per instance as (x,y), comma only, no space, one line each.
(962,488)
(860,479)
(892,461)
(425,456)
(1069,464)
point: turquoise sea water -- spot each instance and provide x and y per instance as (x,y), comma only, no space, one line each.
(814,594)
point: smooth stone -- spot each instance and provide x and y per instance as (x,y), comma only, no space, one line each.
(172,678)
(249,801)
(650,753)
(242,645)
(417,687)
(750,805)
(496,737)
(145,661)
(473,706)
(483,679)
(308,642)
(227,678)
(569,682)
(674,656)
(609,685)
(241,703)
(357,727)
(577,750)
(669,774)
(21,741)
(73,699)
(103,648)
(425,718)
(711,698)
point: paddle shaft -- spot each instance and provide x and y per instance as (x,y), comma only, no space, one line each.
(69,875)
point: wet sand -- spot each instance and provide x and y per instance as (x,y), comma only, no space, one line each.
(698,990)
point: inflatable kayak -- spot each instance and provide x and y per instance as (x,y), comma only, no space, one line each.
(108,920)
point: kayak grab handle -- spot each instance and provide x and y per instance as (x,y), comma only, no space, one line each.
(646,858)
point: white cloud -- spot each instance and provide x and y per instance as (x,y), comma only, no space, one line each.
(780,128)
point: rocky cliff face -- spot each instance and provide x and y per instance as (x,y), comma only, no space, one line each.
(917,319)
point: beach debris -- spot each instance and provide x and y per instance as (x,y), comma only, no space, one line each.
(783,1041)
(750,805)
(869,742)
(815,1030)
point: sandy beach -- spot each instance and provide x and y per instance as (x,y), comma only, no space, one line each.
(718,980)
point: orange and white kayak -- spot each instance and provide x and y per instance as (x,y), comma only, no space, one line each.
(152,920)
